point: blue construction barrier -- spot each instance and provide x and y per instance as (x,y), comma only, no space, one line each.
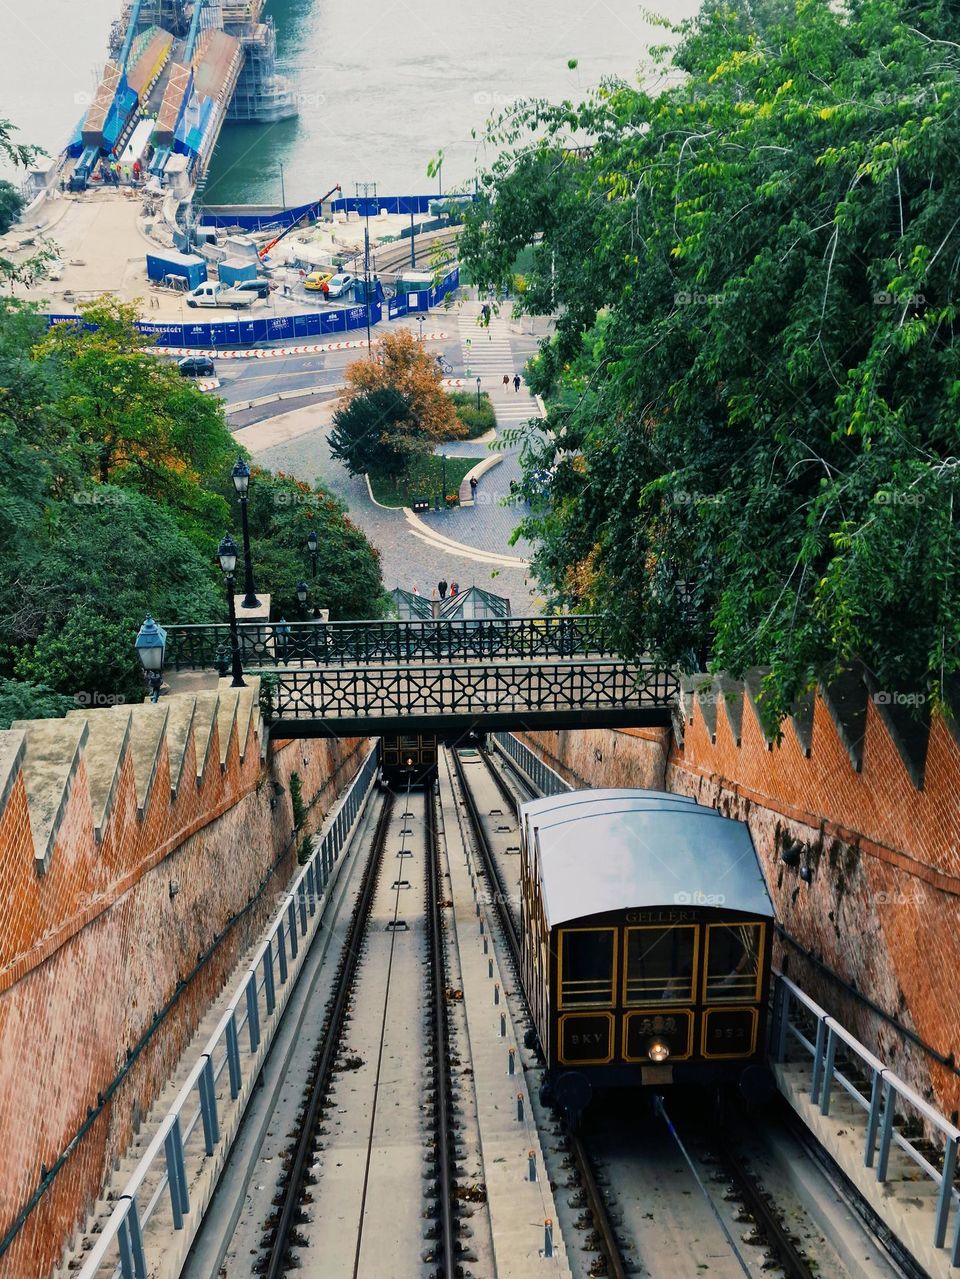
(275,328)
(286,328)
(352,204)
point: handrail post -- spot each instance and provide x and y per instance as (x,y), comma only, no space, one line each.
(828,1071)
(783,1020)
(253,1013)
(818,1060)
(873,1121)
(292,927)
(886,1131)
(269,986)
(176,1174)
(208,1106)
(233,1057)
(281,954)
(302,898)
(946,1192)
(133,1262)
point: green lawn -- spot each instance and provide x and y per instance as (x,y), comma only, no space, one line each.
(424,480)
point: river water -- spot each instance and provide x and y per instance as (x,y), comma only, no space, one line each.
(382,87)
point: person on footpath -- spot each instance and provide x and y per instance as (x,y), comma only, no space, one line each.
(516,382)
(473,487)
(442,588)
(453,589)
(506,381)
(415,591)
(485,312)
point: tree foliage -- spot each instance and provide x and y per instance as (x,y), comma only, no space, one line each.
(377,430)
(754,384)
(402,365)
(11,205)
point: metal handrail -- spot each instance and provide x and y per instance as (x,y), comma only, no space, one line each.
(885,1087)
(192,646)
(123,1230)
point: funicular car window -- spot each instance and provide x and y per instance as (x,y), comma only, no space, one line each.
(587,960)
(733,962)
(661,965)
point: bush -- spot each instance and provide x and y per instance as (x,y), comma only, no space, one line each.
(20,699)
(477,421)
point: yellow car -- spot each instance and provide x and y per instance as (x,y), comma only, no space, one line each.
(316,280)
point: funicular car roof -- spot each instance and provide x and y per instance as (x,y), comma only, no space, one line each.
(635,849)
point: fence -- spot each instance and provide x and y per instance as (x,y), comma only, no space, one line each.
(191,1128)
(269,218)
(543,778)
(823,1038)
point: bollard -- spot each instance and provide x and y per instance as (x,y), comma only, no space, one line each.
(481,927)
(512,1061)
(531,1166)
(520,1107)
(489,967)
(547,1238)
(496,989)
(486,945)
(503,1025)
(478,907)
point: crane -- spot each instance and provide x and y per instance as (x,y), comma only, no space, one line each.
(286,231)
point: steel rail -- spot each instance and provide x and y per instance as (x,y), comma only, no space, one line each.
(277,1263)
(789,1256)
(441,1043)
(595,1202)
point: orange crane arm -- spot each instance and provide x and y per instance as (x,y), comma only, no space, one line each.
(273,243)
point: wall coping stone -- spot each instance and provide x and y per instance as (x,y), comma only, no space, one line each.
(50,763)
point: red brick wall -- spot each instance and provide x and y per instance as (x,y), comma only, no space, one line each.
(883,908)
(97,945)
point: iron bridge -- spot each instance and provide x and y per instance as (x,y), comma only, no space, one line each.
(382,700)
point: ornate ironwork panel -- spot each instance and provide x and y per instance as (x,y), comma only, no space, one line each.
(355,643)
(380,698)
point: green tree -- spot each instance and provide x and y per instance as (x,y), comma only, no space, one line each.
(754,384)
(283,511)
(20,699)
(377,431)
(11,205)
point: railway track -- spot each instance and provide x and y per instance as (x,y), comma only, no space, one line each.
(753,1232)
(365,1103)
(613,1260)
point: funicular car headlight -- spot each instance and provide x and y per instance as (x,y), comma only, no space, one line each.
(658,1050)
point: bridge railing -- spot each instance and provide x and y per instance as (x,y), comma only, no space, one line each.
(897,1117)
(291,644)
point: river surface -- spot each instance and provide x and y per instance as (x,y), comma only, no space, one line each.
(382,87)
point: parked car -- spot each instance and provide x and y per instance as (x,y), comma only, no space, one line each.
(260,287)
(196,366)
(339,285)
(316,280)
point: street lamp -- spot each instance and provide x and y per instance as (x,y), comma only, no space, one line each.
(150,644)
(478,394)
(241,482)
(420,319)
(443,470)
(227,555)
(302,597)
(366,191)
(312,548)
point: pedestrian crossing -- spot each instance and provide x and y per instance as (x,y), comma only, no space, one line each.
(488,354)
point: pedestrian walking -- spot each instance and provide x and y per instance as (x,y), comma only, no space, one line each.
(485,312)
(442,588)
(473,487)
(415,591)
(516,382)
(506,381)
(453,589)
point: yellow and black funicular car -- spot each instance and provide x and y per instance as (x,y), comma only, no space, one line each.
(646,927)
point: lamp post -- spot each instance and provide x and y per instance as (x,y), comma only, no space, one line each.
(443,470)
(420,320)
(478,394)
(227,555)
(150,644)
(366,191)
(241,482)
(312,548)
(302,598)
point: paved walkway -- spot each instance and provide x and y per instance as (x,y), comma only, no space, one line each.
(295,442)
(490,352)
